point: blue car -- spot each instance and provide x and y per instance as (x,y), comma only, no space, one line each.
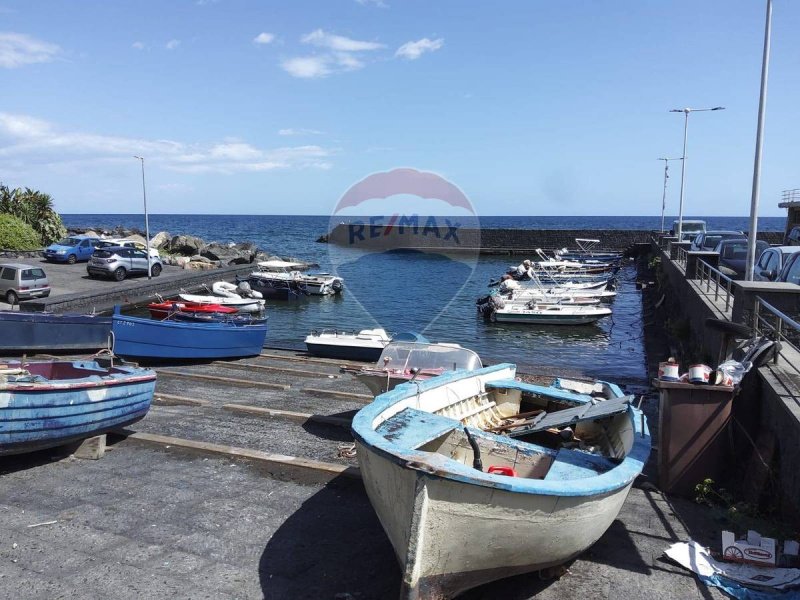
(71,249)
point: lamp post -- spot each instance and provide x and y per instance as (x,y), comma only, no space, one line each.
(686,112)
(146,219)
(762,107)
(664,196)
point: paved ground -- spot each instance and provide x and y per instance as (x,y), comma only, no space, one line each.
(68,279)
(150,521)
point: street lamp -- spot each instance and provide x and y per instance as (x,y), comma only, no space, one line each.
(664,197)
(146,219)
(762,108)
(686,112)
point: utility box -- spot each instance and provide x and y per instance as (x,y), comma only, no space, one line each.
(693,440)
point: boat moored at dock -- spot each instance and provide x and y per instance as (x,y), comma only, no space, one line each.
(476,476)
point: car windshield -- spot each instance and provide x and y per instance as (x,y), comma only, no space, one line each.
(692,227)
(33,274)
(70,241)
(103,254)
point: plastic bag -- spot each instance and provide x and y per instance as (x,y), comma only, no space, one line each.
(735,370)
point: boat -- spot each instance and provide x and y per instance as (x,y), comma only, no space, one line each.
(365,345)
(218,317)
(542,314)
(239,303)
(476,476)
(50,403)
(241,289)
(586,251)
(162,310)
(175,339)
(42,331)
(315,284)
(404,361)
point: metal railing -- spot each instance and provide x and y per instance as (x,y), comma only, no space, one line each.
(790,195)
(708,277)
(681,256)
(769,321)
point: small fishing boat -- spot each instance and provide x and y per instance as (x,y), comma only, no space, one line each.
(239,303)
(587,251)
(162,310)
(543,314)
(402,361)
(316,284)
(48,332)
(476,476)
(176,339)
(218,317)
(50,403)
(365,345)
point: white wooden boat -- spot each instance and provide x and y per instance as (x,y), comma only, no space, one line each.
(548,314)
(534,289)
(365,345)
(316,284)
(403,361)
(239,303)
(463,505)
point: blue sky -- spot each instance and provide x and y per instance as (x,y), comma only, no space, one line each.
(530,107)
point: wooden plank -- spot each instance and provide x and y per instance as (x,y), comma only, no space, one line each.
(288,414)
(228,380)
(173,400)
(280,460)
(299,372)
(366,398)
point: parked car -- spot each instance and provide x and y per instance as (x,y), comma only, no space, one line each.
(708,240)
(690,228)
(71,249)
(771,262)
(128,244)
(733,256)
(793,237)
(791,270)
(22,282)
(119,262)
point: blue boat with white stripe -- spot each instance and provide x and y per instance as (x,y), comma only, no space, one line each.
(476,476)
(51,403)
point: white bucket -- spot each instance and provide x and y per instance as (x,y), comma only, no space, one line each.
(668,371)
(699,373)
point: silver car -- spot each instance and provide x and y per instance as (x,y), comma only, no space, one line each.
(22,282)
(119,262)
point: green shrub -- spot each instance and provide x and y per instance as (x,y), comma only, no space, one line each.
(15,234)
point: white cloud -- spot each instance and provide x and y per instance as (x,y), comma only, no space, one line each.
(264,38)
(413,50)
(172,44)
(25,140)
(307,67)
(301,131)
(338,42)
(17,49)
(138,45)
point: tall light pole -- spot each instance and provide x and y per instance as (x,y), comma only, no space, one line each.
(686,112)
(762,107)
(664,197)
(146,220)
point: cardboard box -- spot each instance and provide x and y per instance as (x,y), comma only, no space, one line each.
(753,548)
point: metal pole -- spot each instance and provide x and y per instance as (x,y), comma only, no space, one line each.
(679,233)
(762,107)
(146,220)
(664,197)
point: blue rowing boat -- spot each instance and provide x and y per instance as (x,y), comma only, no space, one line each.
(148,338)
(51,403)
(40,331)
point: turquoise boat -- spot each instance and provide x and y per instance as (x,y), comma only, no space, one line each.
(51,403)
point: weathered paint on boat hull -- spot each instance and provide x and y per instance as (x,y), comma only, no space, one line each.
(32,331)
(40,419)
(449,537)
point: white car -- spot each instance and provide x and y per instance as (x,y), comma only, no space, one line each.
(127,244)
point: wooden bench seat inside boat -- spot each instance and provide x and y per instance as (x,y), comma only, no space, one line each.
(574,464)
(412,428)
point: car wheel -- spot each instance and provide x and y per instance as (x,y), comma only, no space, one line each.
(12,298)
(72,259)
(155,270)
(120,274)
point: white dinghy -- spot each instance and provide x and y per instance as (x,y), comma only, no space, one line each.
(473,481)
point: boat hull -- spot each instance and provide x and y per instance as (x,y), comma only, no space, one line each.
(48,416)
(145,338)
(540,319)
(343,352)
(441,529)
(35,331)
